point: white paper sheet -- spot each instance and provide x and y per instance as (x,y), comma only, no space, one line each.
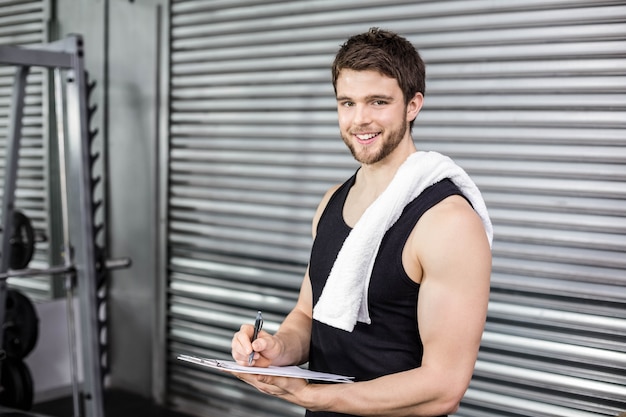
(288,371)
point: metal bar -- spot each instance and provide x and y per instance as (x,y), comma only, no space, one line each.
(82,229)
(32,272)
(11,165)
(116,263)
(161,173)
(67,256)
(16,55)
(10,180)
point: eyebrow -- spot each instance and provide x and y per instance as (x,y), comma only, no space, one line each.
(368,98)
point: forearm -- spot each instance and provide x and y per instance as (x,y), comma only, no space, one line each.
(294,335)
(410,393)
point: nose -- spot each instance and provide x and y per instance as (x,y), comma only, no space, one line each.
(362,115)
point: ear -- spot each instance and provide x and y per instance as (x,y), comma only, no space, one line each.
(414,106)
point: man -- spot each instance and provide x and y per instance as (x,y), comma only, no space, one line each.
(416,307)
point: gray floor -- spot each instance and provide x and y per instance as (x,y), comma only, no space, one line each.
(116,404)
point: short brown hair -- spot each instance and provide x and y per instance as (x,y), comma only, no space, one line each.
(387,53)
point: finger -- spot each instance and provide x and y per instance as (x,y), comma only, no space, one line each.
(262,383)
(236,346)
(240,344)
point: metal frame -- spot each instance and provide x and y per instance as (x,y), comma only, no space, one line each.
(161,172)
(77,204)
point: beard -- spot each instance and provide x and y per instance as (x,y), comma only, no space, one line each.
(385,146)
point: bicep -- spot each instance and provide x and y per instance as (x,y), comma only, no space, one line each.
(305,298)
(455,258)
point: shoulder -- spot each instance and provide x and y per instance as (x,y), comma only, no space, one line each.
(322,206)
(450,235)
(453,219)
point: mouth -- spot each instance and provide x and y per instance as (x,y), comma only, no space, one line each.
(366,138)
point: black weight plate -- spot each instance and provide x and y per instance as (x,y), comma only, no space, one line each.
(21,325)
(17,385)
(28,389)
(22,241)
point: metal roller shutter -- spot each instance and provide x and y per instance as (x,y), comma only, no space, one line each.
(528,96)
(23,22)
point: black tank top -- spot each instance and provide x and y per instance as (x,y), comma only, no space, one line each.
(391,343)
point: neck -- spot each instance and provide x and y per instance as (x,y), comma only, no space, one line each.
(376,177)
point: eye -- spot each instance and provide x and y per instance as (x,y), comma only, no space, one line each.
(379,102)
(347,104)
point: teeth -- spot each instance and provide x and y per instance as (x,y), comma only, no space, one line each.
(367,136)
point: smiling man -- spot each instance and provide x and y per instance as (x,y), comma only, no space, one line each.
(372,114)
(397,286)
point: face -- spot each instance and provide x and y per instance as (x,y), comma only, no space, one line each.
(373,118)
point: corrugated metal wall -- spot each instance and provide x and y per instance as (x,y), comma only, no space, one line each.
(23,22)
(528,96)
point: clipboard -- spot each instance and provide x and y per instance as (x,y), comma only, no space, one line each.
(286,371)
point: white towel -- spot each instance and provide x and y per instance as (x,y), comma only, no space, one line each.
(344,297)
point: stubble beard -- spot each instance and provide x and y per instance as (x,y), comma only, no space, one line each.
(365,155)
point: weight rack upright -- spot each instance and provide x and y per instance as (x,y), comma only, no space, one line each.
(81,260)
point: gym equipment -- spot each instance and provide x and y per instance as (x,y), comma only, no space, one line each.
(83,259)
(17,384)
(21,325)
(22,241)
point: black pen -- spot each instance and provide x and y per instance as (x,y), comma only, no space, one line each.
(258,325)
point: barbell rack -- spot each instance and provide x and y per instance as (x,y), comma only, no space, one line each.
(80,253)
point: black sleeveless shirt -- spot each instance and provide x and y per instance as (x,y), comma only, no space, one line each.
(391,343)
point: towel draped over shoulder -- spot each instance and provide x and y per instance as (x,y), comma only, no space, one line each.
(344,298)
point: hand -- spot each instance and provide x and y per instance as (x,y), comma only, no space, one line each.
(288,389)
(266,347)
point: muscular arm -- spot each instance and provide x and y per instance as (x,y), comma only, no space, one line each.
(290,344)
(450,249)
(294,333)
